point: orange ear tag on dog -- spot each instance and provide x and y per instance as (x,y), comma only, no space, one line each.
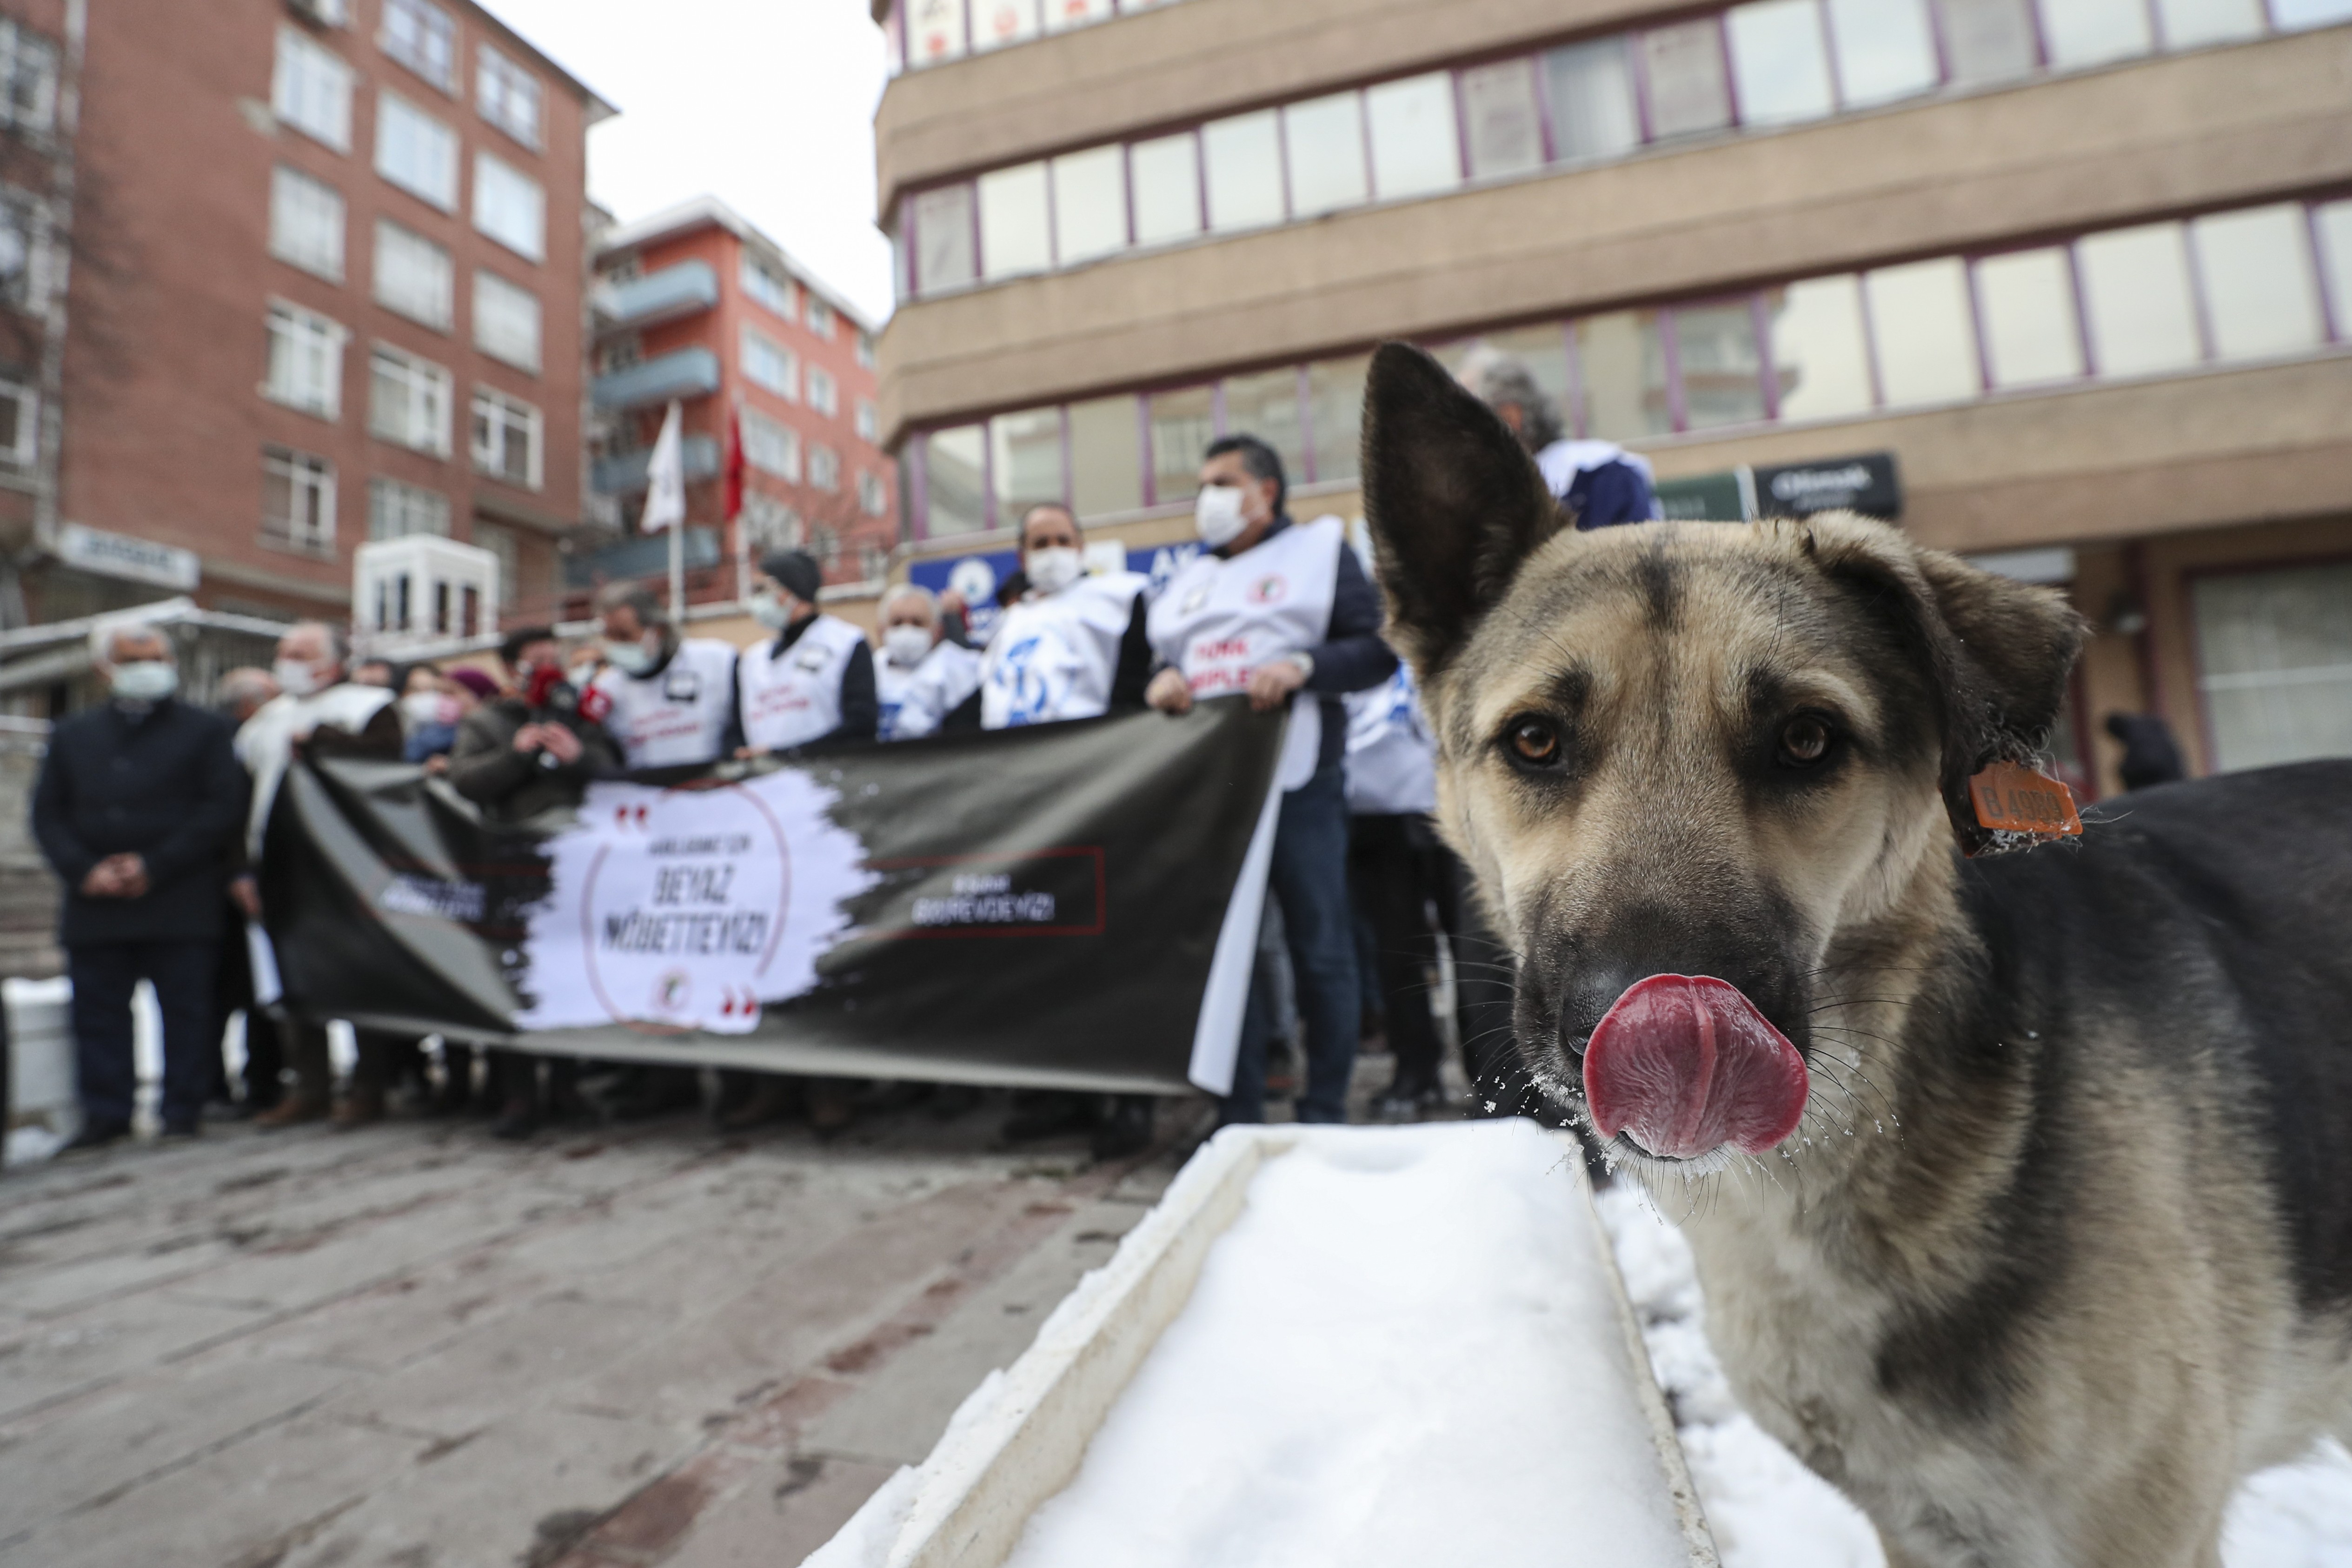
(2011,799)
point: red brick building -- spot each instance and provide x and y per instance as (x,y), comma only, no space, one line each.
(318,268)
(697,305)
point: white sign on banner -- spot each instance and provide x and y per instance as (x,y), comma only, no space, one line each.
(690,909)
(121,555)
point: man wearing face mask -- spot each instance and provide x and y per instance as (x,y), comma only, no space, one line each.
(318,709)
(672,699)
(923,679)
(137,808)
(1283,612)
(1072,646)
(815,681)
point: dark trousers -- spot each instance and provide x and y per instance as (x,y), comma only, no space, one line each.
(104,974)
(1309,877)
(1393,869)
(264,1060)
(314,1070)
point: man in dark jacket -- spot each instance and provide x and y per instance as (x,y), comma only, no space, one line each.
(138,808)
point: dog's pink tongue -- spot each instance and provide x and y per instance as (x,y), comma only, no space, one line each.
(1685,1064)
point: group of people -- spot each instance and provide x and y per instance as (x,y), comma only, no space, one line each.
(154,811)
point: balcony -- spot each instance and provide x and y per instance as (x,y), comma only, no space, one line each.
(681,374)
(645,557)
(669,295)
(623,473)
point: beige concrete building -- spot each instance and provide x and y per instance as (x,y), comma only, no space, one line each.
(2078,271)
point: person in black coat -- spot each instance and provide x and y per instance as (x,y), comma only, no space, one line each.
(138,809)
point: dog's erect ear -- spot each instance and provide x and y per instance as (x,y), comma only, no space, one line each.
(1454,503)
(1996,652)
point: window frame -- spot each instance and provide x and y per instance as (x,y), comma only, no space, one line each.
(326,334)
(420,376)
(305,472)
(398,49)
(383,492)
(286,176)
(27,445)
(492,67)
(445,319)
(388,101)
(494,178)
(790,464)
(295,47)
(503,411)
(483,275)
(755,346)
(824,391)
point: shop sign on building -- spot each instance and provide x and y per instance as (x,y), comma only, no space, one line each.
(1867,484)
(94,550)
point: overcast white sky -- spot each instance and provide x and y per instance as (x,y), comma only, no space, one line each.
(767,104)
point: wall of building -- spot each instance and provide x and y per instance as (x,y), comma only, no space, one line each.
(165,425)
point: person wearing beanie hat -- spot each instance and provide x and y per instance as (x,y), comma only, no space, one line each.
(814,682)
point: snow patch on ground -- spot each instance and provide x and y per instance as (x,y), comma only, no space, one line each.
(1403,1352)
(1769,1512)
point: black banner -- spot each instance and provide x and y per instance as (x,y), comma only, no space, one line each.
(1069,905)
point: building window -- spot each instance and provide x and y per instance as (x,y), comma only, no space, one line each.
(769,364)
(306,223)
(1819,352)
(502,542)
(28,79)
(769,524)
(1590,86)
(955,490)
(297,501)
(1685,64)
(311,89)
(2254,268)
(1164,182)
(1089,204)
(819,318)
(1987,41)
(1505,126)
(413,274)
(2274,658)
(825,543)
(508,438)
(2137,299)
(823,395)
(1926,348)
(416,152)
(868,425)
(2025,307)
(508,96)
(1243,169)
(2079,32)
(1106,456)
(395,510)
(766,285)
(510,206)
(408,401)
(306,362)
(20,424)
(1780,63)
(1323,145)
(1013,235)
(865,349)
(945,257)
(872,495)
(506,322)
(771,448)
(824,468)
(1416,144)
(621,354)
(1886,49)
(422,37)
(1024,462)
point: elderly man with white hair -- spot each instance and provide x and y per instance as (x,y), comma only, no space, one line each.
(137,808)
(922,677)
(320,711)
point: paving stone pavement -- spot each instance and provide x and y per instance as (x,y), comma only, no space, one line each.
(413,1347)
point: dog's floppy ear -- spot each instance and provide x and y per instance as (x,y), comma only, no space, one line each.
(1454,503)
(1996,652)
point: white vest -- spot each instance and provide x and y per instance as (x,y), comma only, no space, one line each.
(1391,755)
(1219,619)
(792,700)
(264,742)
(915,700)
(679,716)
(1054,656)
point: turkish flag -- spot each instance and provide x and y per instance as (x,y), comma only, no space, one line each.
(734,464)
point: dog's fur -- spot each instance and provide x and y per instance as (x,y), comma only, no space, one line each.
(2062,1248)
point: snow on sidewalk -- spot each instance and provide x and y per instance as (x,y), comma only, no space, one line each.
(1767,1511)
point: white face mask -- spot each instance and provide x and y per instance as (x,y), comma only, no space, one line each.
(294,678)
(148,680)
(629,657)
(1218,515)
(1054,568)
(429,708)
(907,645)
(772,611)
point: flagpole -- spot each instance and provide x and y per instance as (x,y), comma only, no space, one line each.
(677,576)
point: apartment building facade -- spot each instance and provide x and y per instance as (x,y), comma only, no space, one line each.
(695,305)
(2065,285)
(316,274)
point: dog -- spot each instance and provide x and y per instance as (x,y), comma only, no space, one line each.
(2019,1184)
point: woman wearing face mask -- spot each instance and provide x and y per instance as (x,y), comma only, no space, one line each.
(1072,646)
(923,679)
(815,681)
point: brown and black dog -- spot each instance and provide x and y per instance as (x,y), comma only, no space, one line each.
(2021,1188)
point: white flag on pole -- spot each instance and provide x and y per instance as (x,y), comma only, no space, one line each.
(665,477)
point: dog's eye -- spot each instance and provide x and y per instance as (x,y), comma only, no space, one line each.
(1804,740)
(1535,742)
